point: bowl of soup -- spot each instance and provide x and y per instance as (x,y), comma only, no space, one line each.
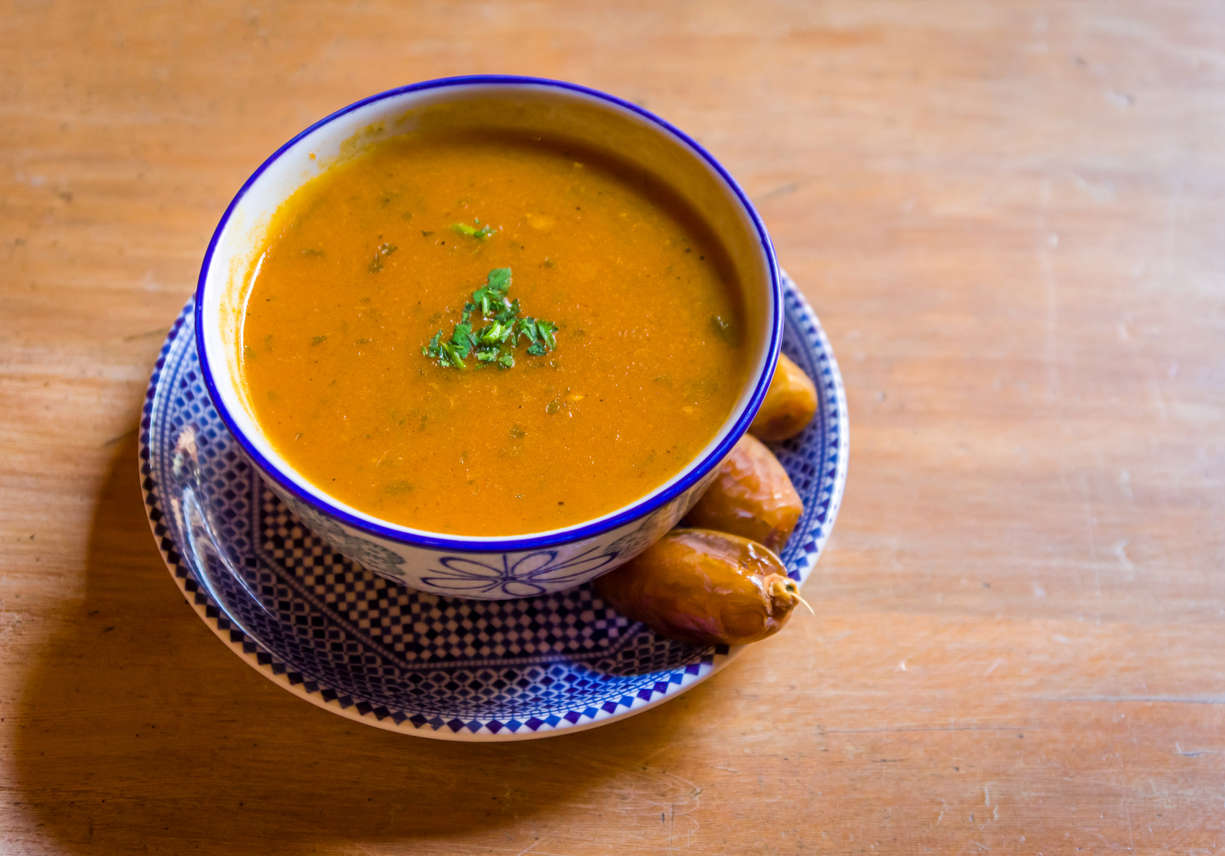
(489,336)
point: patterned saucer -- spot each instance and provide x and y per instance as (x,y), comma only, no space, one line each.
(366,648)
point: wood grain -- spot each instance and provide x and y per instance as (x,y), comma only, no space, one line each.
(1009,218)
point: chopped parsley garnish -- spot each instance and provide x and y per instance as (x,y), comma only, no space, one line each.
(501,331)
(474,231)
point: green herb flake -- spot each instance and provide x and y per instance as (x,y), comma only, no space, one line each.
(431,350)
(494,334)
(318,340)
(454,357)
(528,329)
(517,432)
(477,231)
(547,329)
(462,338)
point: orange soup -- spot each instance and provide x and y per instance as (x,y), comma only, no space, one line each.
(489,335)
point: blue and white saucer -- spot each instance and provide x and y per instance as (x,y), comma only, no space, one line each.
(359,645)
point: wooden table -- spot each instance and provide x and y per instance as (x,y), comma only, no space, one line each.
(1010,218)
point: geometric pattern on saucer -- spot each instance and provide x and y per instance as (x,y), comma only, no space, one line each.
(362,646)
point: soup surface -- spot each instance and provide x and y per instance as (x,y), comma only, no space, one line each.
(368,261)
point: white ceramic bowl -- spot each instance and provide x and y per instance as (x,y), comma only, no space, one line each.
(484,567)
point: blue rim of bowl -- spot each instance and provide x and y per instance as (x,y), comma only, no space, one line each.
(420,538)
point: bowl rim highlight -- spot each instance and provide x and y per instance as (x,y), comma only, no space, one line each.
(694,471)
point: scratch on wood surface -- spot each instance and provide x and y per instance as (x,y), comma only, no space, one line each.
(900,729)
(1153,41)
(688,807)
(1124,774)
(1156,390)
(528,848)
(147,334)
(1099,190)
(1124,699)
(1173,221)
(1131,831)
(1086,497)
(646,759)
(118,438)
(674,797)
(781,190)
(1071,562)
(1050,289)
